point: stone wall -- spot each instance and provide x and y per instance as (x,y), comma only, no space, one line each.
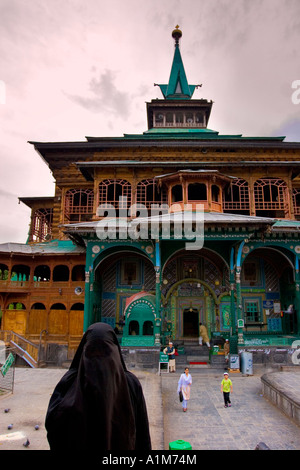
(271,355)
(282,389)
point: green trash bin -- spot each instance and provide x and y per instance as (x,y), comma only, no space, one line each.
(180,445)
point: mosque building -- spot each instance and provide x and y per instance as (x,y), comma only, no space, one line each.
(157,232)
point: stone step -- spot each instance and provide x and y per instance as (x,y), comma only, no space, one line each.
(196,352)
(198,358)
(199,366)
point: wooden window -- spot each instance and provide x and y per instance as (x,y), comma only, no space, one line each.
(4,272)
(58,306)
(20,272)
(177,195)
(42,273)
(189,119)
(148,193)
(197,192)
(78,273)
(79,205)
(236,197)
(199,119)
(252,313)
(61,273)
(270,194)
(169,118)
(41,225)
(179,118)
(111,192)
(159,119)
(215,193)
(296,201)
(78,306)
(38,306)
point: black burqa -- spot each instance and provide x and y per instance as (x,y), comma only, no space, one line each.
(98,404)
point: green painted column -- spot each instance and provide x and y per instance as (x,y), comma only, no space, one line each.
(240,316)
(297,293)
(158,322)
(88,307)
(86,318)
(232,299)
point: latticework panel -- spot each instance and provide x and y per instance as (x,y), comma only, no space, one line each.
(41,225)
(237,198)
(78,202)
(113,192)
(270,194)
(148,193)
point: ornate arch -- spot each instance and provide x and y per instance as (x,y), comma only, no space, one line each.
(182,281)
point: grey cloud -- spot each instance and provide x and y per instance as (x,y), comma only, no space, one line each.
(105,96)
(4,193)
(290,129)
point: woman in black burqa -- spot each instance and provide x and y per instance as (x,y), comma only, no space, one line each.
(98,404)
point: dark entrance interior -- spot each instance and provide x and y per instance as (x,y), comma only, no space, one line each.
(190,322)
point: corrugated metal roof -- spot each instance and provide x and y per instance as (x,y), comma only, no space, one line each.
(173,217)
(286,226)
(53,247)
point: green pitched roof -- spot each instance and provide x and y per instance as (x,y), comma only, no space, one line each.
(194,134)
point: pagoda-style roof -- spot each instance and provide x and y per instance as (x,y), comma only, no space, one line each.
(178,86)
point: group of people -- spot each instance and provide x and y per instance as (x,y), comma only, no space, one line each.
(170,349)
(184,388)
(99,404)
(185,381)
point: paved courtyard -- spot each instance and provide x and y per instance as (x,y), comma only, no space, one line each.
(207,425)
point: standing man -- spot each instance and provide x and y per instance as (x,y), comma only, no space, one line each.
(170,351)
(203,336)
(226,350)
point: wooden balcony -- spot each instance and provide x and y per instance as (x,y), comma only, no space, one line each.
(31,285)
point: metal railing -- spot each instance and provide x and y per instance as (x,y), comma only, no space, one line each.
(23,347)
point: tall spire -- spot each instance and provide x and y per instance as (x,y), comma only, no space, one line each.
(178,87)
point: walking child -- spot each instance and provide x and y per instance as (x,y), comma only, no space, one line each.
(226,388)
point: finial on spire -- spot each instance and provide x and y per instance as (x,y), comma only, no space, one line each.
(176,34)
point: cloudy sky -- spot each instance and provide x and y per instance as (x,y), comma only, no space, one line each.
(76,68)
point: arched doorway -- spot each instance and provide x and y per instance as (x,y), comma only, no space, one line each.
(139,320)
(191,286)
(269,294)
(190,322)
(117,277)
(189,302)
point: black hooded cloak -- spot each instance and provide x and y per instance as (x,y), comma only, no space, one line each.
(98,404)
